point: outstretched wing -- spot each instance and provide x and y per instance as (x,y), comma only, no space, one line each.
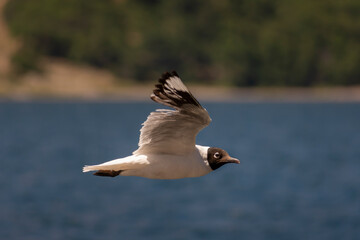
(172,131)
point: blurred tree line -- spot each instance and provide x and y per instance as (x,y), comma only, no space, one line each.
(243,42)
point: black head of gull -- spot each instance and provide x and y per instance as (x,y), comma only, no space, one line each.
(217,157)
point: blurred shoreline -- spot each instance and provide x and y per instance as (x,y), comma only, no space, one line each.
(68,82)
(142,93)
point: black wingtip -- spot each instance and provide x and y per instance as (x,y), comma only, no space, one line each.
(167,75)
(174,73)
(170,96)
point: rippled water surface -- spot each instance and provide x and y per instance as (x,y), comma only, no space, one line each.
(299,176)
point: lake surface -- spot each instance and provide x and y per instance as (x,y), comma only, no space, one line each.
(299,176)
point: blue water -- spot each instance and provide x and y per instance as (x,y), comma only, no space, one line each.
(299,176)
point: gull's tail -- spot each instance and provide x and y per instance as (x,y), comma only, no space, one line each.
(115,167)
(87,168)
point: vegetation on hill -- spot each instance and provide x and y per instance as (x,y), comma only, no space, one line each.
(243,43)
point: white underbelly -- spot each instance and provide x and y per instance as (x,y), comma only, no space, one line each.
(171,167)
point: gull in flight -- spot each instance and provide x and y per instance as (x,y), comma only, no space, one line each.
(167,148)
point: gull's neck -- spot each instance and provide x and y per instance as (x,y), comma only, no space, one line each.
(203,150)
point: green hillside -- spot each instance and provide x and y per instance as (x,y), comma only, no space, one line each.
(242,43)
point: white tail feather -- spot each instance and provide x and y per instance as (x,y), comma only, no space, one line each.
(130,162)
(87,168)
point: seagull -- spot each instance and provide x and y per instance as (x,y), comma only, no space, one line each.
(167,148)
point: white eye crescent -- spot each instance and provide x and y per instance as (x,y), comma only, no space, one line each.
(217,155)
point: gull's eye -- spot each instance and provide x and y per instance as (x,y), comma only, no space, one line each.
(217,155)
